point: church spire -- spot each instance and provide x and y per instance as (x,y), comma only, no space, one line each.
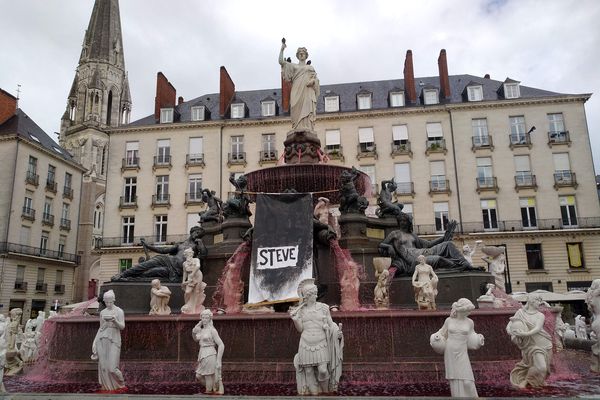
(103,39)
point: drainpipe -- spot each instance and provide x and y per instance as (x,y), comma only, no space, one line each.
(456,172)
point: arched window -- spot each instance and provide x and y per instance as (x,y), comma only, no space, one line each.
(109,108)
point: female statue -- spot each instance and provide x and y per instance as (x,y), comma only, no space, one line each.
(592,299)
(424,282)
(210,354)
(320,352)
(454,339)
(305,89)
(107,344)
(192,284)
(3,349)
(526,330)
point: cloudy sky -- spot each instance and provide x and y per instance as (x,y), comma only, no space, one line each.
(548,44)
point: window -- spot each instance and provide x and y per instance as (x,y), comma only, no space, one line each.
(528,213)
(556,123)
(28,202)
(128,229)
(98,217)
(523,171)
(25,236)
(268,108)
(430,96)
(567,210)
(434,131)
(579,285)
(131,153)
(408,209)
(534,256)
(533,286)
(198,113)
(65,211)
(47,208)
(490,214)
(195,186)
(438,176)
(575,254)
(62,242)
(166,115)
(475,93)
(20,274)
(192,220)
(511,91)
(366,139)
(196,151)
(332,140)
(68,180)
(32,166)
(125,263)
(364,101)
(399,136)
(237,110)
(162,188)
(396,99)
(484,172)
(237,147)
(41,275)
(130,190)
(517,130)
(268,145)
(44,242)
(440,211)
(332,103)
(402,178)
(370,171)
(480,132)
(51,173)
(163,151)
(562,168)
(160,228)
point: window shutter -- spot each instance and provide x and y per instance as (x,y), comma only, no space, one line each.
(402,172)
(399,132)
(332,137)
(440,207)
(561,162)
(522,163)
(434,130)
(437,168)
(365,135)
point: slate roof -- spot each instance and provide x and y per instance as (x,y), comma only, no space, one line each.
(27,129)
(347,93)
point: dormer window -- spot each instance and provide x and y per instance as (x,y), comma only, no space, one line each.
(166,115)
(268,108)
(430,96)
(511,91)
(332,103)
(198,113)
(475,93)
(237,110)
(396,99)
(364,101)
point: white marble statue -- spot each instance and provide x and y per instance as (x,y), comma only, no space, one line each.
(193,287)
(28,350)
(469,252)
(159,299)
(559,329)
(210,355)
(495,257)
(381,292)
(106,347)
(592,300)
(526,330)
(14,329)
(305,89)
(456,337)
(321,211)
(580,327)
(318,362)
(425,281)
(3,349)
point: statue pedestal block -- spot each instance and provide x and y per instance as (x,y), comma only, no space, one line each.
(354,230)
(134,297)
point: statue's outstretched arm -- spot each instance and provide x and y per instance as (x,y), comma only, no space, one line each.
(283,46)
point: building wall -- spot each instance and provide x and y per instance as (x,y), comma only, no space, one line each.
(8,150)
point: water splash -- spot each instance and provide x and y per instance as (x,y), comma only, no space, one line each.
(349,273)
(230,286)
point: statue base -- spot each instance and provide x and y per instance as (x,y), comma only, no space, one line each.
(134,297)
(302,147)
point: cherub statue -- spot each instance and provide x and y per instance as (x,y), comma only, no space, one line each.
(382,298)
(468,252)
(385,203)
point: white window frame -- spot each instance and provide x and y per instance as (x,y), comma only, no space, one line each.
(396,99)
(400,134)
(65,211)
(480,132)
(195,187)
(238,110)
(128,229)
(364,101)
(556,123)
(160,228)
(332,103)
(163,151)
(130,190)
(132,153)
(237,145)
(366,139)
(440,210)
(430,96)
(44,240)
(198,113)
(568,209)
(268,108)
(332,139)
(475,93)
(512,91)
(268,144)
(489,214)
(196,149)
(528,212)
(166,115)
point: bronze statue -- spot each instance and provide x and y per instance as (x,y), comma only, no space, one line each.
(385,203)
(239,205)
(214,210)
(350,201)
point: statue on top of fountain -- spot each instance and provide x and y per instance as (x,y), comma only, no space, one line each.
(168,264)
(239,205)
(214,209)
(404,247)
(387,207)
(350,201)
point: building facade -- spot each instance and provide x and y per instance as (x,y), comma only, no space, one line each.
(512,164)
(39,224)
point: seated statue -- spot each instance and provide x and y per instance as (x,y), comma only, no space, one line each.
(385,203)
(404,247)
(214,209)
(239,205)
(350,200)
(168,264)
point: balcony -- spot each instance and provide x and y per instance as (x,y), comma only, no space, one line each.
(47,219)
(267,157)
(129,163)
(67,193)
(405,189)
(161,162)
(194,160)
(565,179)
(399,148)
(482,142)
(193,198)
(335,152)
(59,288)
(107,242)
(236,159)
(525,180)
(28,213)
(51,186)
(7,247)
(435,146)
(485,183)
(20,286)
(365,150)
(161,200)
(65,224)
(519,140)
(558,138)
(41,287)
(32,178)
(127,202)
(437,186)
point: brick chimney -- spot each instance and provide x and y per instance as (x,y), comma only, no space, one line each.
(286,90)
(165,95)
(444,80)
(226,92)
(409,78)
(8,106)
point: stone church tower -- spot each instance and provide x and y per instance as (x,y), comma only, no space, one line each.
(98,100)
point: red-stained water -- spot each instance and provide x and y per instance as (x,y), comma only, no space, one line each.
(349,273)
(230,286)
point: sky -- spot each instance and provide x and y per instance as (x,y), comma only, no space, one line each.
(547,44)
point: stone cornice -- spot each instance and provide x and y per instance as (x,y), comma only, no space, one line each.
(531,234)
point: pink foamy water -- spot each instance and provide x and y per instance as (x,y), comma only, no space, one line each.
(230,286)
(349,273)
